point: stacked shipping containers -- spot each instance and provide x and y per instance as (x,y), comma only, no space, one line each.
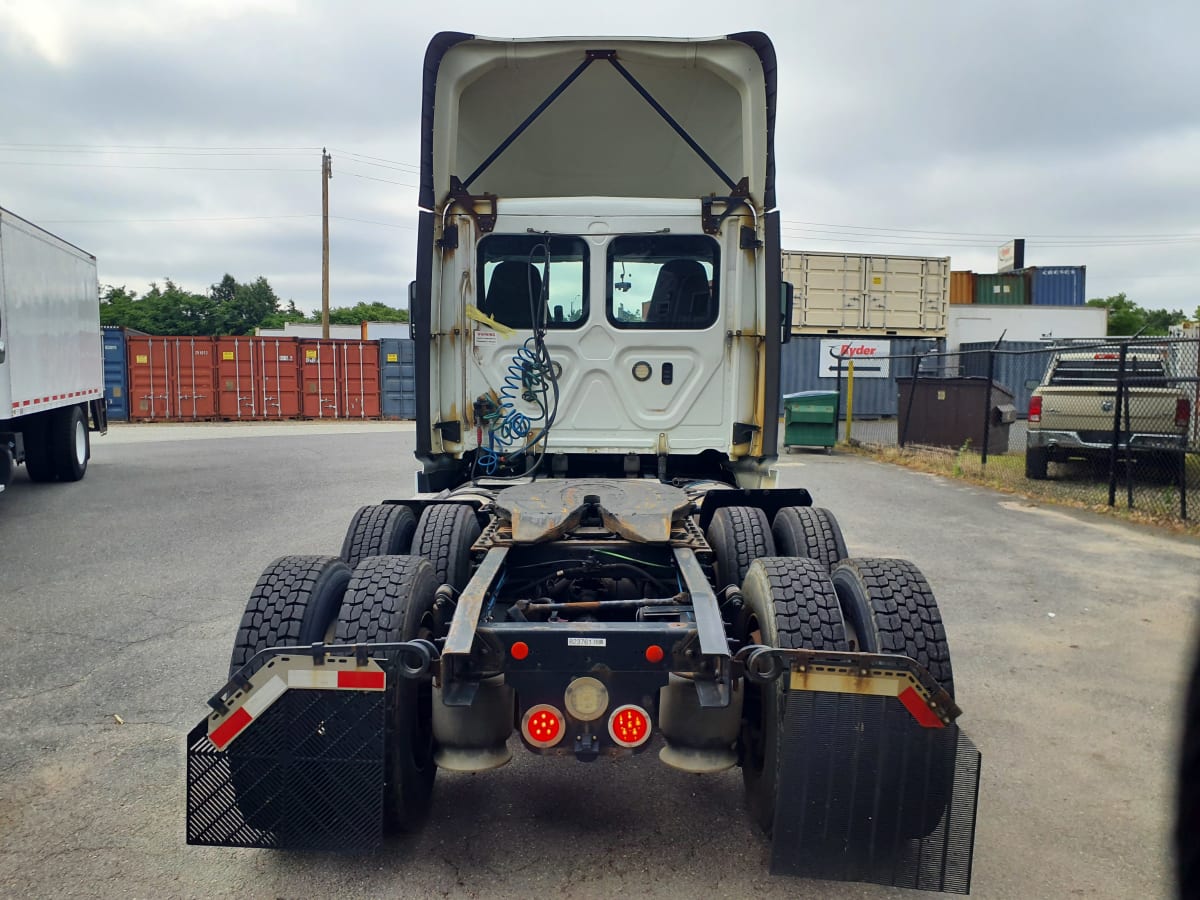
(1036,285)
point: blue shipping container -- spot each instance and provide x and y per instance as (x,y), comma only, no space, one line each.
(116,386)
(398,378)
(1059,285)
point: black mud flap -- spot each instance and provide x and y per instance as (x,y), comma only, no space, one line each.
(308,775)
(867,794)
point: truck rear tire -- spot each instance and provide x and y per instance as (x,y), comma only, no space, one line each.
(890,608)
(390,599)
(738,535)
(294,602)
(809,531)
(67,440)
(789,603)
(382,530)
(444,535)
(1037,461)
(39,464)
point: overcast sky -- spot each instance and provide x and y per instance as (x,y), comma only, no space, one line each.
(183,139)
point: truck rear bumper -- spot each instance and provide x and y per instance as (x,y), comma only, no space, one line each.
(1097,442)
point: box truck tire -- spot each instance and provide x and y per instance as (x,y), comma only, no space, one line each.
(68,443)
(39,463)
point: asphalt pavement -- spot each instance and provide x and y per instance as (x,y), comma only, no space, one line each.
(120,595)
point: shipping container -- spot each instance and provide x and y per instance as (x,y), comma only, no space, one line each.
(962,287)
(116,384)
(398,378)
(171,378)
(258,377)
(806,365)
(340,379)
(1004,289)
(1058,285)
(841,293)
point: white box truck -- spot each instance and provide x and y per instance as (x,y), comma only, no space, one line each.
(890,296)
(51,373)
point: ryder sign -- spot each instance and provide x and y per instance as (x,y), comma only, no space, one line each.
(866,356)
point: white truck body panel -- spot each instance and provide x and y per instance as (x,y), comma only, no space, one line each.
(845,293)
(984,322)
(49,321)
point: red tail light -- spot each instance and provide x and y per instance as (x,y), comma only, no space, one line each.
(1183,412)
(629,726)
(1035,409)
(543,726)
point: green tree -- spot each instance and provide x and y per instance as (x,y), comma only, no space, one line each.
(1126,317)
(118,306)
(364,312)
(249,306)
(289,314)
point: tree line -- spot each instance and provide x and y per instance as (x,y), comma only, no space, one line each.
(228,307)
(1125,317)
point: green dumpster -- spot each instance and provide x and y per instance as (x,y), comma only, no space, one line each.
(810,419)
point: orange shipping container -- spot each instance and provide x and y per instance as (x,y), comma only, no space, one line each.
(171,378)
(340,379)
(259,377)
(962,287)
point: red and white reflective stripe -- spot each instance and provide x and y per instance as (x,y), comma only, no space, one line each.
(51,398)
(263,696)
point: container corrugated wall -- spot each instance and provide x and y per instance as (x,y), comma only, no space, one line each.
(171,378)
(398,378)
(116,382)
(1058,285)
(258,377)
(802,369)
(962,287)
(1021,374)
(340,379)
(1007,289)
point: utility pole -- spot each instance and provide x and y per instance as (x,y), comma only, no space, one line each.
(326,174)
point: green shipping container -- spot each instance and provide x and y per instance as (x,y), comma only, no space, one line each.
(810,419)
(1007,289)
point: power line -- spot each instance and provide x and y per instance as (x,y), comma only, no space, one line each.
(82,165)
(177,220)
(370,222)
(377,159)
(112,148)
(984,234)
(373,178)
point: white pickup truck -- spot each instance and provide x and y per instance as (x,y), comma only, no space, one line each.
(51,372)
(1072,412)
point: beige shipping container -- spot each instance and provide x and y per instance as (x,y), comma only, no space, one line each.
(844,293)
(962,287)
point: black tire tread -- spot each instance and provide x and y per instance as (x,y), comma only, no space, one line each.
(39,464)
(1037,461)
(809,531)
(444,535)
(739,535)
(60,439)
(384,529)
(278,612)
(807,613)
(374,607)
(906,618)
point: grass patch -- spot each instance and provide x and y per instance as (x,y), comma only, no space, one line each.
(1076,485)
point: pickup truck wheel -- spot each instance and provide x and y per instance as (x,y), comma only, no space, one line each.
(389,599)
(890,608)
(293,603)
(1036,463)
(789,603)
(738,535)
(444,535)
(382,530)
(809,532)
(67,439)
(39,464)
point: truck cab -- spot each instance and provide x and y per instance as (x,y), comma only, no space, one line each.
(598,288)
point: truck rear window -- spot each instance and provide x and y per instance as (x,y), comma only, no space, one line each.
(662,281)
(511,268)
(1101,371)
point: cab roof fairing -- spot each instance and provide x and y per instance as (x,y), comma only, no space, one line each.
(599,138)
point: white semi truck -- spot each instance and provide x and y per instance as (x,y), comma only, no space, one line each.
(51,371)
(598,562)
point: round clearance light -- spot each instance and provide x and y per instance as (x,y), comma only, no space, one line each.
(519,650)
(654,654)
(586,698)
(642,371)
(543,726)
(629,726)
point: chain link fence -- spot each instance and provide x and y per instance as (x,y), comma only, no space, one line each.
(1104,423)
